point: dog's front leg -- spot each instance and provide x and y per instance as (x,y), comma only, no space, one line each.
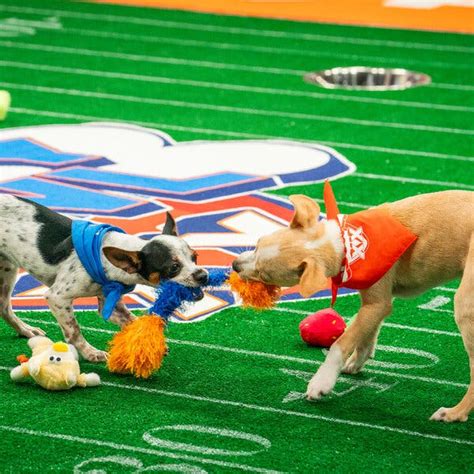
(121,315)
(360,337)
(60,304)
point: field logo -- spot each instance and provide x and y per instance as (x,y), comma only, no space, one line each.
(130,176)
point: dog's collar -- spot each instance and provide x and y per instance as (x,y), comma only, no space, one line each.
(87,241)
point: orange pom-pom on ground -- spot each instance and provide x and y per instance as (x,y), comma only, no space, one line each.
(139,347)
(322,328)
(254,293)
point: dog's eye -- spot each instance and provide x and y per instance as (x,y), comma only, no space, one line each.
(51,358)
(174,269)
(58,359)
(194,258)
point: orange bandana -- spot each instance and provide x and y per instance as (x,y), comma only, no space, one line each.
(373,241)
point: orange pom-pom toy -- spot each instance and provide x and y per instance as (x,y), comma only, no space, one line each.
(254,293)
(139,348)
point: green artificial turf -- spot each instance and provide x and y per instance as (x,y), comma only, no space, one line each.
(214,77)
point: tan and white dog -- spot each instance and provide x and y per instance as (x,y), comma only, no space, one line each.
(310,251)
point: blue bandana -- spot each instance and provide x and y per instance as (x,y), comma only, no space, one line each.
(87,241)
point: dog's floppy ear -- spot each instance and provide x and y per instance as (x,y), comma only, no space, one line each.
(126,260)
(170,226)
(306,212)
(313,278)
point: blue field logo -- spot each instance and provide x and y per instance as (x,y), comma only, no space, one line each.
(130,176)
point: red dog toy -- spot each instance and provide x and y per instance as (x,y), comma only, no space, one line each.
(322,328)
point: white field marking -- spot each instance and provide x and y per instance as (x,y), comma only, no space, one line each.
(150,59)
(236,30)
(348,204)
(444,288)
(385,324)
(402,179)
(136,449)
(231,66)
(317,52)
(241,110)
(137,464)
(353,383)
(262,443)
(460,87)
(435,304)
(249,406)
(225,133)
(266,355)
(233,87)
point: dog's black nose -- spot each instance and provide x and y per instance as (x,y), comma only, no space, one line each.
(235,266)
(201,276)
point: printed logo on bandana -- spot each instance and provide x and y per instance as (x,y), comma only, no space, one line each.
(356,245)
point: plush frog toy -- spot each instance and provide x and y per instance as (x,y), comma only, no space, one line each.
(53,366)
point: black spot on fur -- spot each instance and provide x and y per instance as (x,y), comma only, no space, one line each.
(156,257)
(54,238)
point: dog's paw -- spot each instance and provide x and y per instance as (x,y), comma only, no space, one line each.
(25,330)
(321,384)
(449,415)
(95,356)
(354,364)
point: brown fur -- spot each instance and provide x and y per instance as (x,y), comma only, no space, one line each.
(308,252)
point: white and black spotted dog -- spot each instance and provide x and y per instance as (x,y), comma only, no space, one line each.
(39,240)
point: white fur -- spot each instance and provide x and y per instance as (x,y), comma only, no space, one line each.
(325,378)
(332,235)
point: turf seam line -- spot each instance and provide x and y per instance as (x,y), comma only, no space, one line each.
(208,131)
(240,110)
(237,87)
(125,447)
(235,30)
(268,355)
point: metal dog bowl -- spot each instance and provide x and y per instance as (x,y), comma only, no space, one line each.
(367,78)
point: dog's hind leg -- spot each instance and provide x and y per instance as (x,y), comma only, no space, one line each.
(464,314)
(8,272)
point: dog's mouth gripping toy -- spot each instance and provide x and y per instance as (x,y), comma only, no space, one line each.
(139,348)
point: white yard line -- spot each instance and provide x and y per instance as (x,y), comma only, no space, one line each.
(240,110)
(444,288)
(260,32)
(400,179)
(232,403)
(459,87)
(149,58)
(267,355)
(234,87)
(241,405)
(136,449)
(319,53)
(226,133)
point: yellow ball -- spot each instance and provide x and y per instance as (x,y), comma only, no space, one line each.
(5,101)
